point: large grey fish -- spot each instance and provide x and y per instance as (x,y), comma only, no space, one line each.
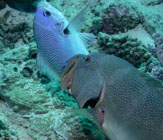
(129,104)
(57,39)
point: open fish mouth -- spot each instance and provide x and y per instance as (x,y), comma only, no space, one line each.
(93,102)
(69,73)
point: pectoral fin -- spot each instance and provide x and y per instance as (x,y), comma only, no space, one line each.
(87,38)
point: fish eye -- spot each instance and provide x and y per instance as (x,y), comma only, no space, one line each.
(46,13)
(88,60)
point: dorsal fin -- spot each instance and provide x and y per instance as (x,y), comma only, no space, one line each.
(77,22)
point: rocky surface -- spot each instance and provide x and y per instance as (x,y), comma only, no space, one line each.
(125,47)
(115,18)
(133,31)
(31,106)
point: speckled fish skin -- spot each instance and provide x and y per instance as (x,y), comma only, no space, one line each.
(133,110)
(55,47)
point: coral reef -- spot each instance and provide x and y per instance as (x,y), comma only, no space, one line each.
(125,47)
(115,18)
(128,30)
(32,106)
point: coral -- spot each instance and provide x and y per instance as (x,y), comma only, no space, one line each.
(153,24)
(6,131)
(115,18)
(157,71)
(151,2)
(122,17)
(15,33)
(158,37)
(125,47)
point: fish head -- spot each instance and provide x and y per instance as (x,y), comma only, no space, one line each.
(83,80)
(75,64)
(49,18)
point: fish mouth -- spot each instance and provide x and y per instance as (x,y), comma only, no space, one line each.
(93,102)
(69,73)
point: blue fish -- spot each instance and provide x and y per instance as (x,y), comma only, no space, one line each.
(57,39)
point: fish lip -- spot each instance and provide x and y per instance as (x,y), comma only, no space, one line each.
(68,74)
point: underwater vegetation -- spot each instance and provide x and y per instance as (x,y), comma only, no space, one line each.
(34,107)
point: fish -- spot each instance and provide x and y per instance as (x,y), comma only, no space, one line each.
(57,39)
(28,6)
(126,102)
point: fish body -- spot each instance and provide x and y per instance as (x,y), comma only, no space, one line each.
(57,39)
(128,105)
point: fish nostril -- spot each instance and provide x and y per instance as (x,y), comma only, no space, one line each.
(46,13)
